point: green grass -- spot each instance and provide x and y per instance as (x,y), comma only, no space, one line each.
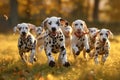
(12,68)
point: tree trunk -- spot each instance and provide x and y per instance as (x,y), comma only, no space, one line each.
(95,10)
(28,10)
(13,13)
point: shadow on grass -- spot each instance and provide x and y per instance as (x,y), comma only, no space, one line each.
(17,70)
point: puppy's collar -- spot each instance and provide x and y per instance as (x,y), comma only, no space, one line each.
(80,35)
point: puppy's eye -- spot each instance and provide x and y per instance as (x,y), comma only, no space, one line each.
(91,31)
(81,24)
(76,24)
(26,28)
(101,34)
(57,23)
(50,23)
(106,34)
(20,28)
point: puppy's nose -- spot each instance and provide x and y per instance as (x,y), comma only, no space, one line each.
(104,39)
(79,29)
(53,29)
(23,33)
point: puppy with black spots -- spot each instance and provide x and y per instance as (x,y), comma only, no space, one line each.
(92,39)
(40,34)
(67,31)
(80,37)
(102,45)
(26,41)
(54,41)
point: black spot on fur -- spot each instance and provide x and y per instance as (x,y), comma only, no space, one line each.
(61,39)
(56,47)
(49,54)
(62,48)
(98,52)
(64,54)
(53,42)
(60,33)
(46,43)
(49,42)
(97,48)
(83,39)
(97,42)
(52,45)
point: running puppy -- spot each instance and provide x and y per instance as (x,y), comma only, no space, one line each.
(54,41)
(102,45)
(67,31)
(26,41)
(80,37)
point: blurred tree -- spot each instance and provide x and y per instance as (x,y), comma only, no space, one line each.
(13,13)
(79,11)
(96,10)
(115,10)
(28,10)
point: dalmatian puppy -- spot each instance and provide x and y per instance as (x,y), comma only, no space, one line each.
(102,45)
(67,31)
(80,37)
(26,41)
(92,38)
(54,41)
(40,34)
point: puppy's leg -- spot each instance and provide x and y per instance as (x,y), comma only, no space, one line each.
(63,56)
(86,44)
(96,57)
(75,50)
(23,56)
(49,56)
(41,47)
(84,54)
(32,56)
(104,57)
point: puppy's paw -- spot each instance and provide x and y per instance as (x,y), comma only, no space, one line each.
(88,50)
(51,63)
(78,52)
(35,59)
(67,64)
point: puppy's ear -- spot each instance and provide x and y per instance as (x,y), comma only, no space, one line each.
(89,29)
(72,25)
(63,22)
(44,23)
(16,28)
(110,33)
(39,28)
(31,28)
(85,27)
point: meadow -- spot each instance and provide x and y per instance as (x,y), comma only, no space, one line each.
(12,68)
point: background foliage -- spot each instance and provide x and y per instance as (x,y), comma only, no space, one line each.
(97,12)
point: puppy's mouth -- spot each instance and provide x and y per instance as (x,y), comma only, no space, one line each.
(79,32)
(24,34)
(53,33)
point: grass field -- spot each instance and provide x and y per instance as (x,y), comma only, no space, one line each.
(12,68)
